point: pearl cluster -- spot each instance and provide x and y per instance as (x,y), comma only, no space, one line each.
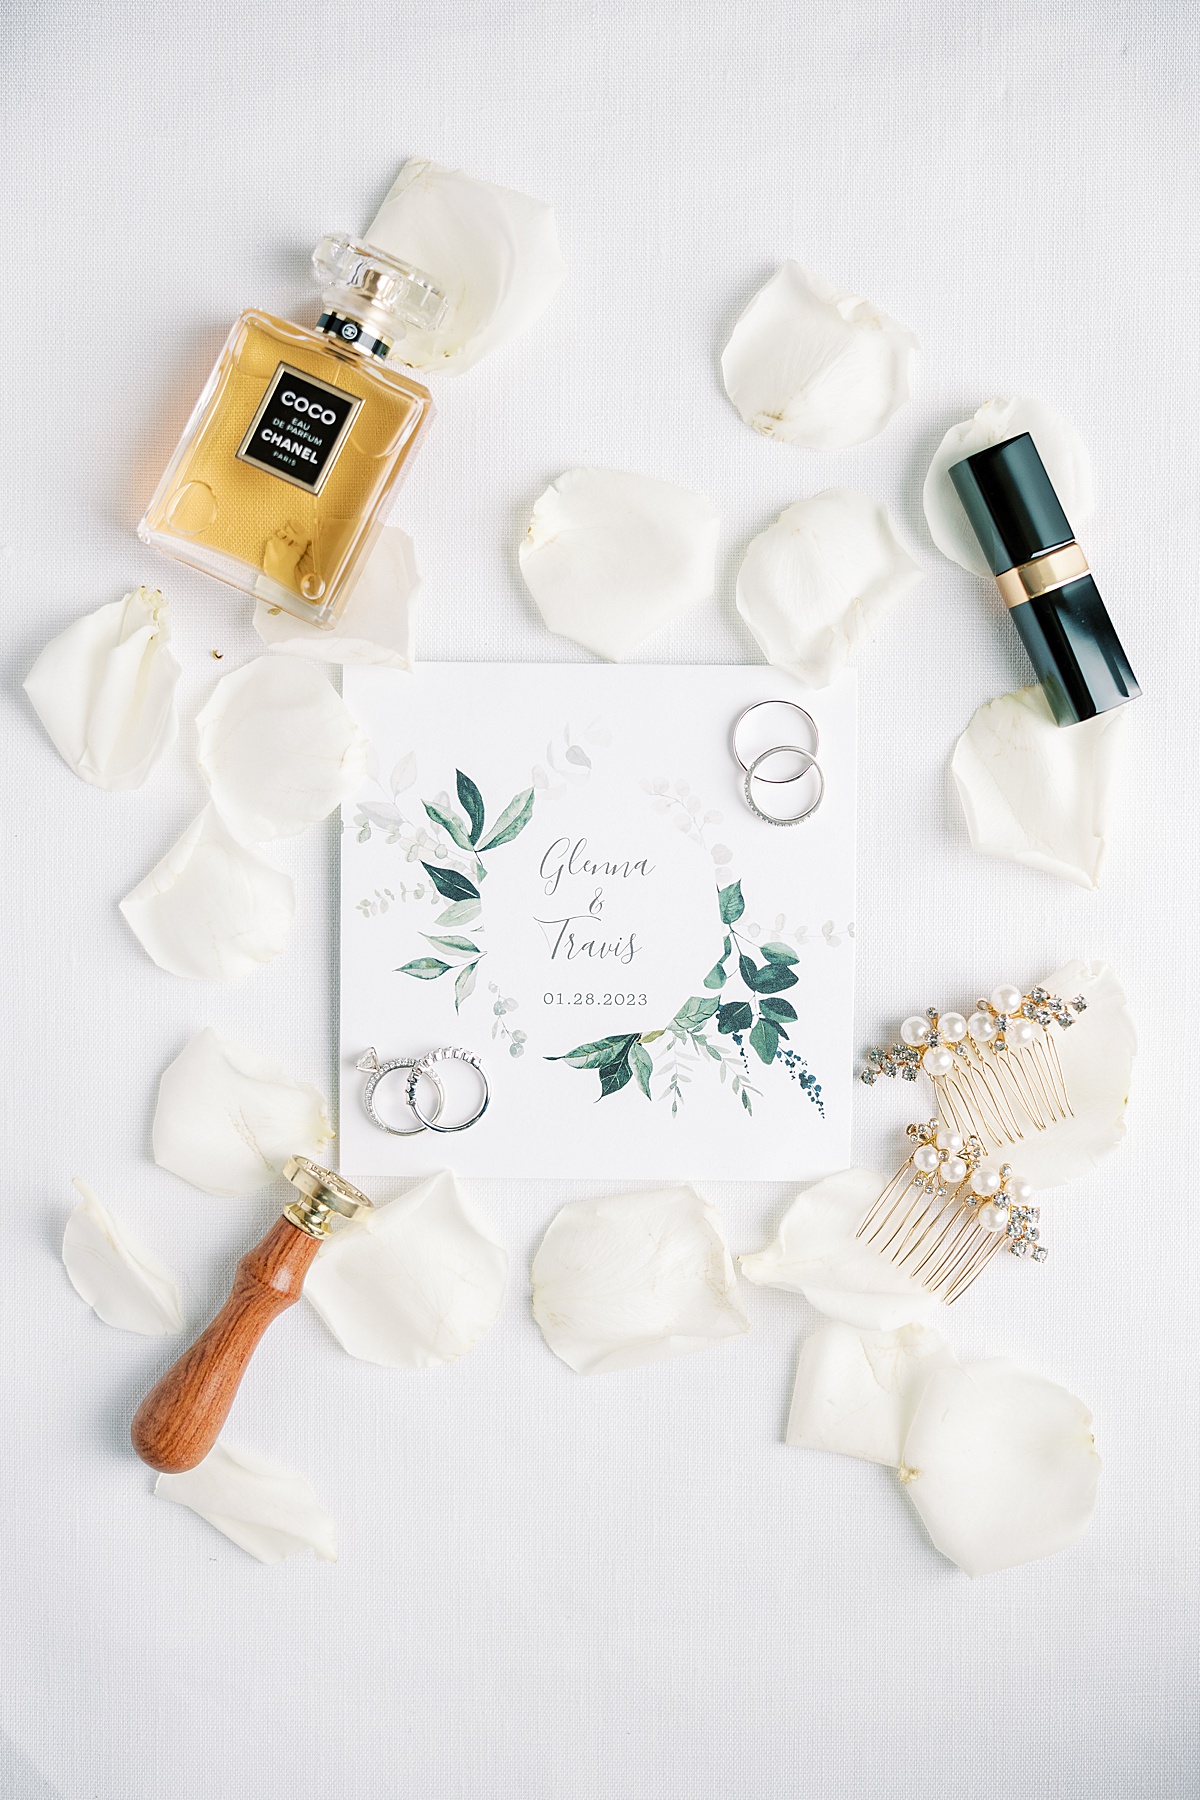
(933,1042)
(943,1159)
(1010,1019)
(943,1162)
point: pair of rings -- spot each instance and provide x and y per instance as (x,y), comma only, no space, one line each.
(754,775)
(418,1069)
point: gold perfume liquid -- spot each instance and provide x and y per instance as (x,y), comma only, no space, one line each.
(282,479)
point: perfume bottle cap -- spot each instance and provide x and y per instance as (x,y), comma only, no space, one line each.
(1011,503)
(389,288)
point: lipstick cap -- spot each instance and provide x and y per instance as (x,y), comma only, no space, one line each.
(1011,503)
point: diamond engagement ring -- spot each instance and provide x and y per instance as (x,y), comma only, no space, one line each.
(369,1065)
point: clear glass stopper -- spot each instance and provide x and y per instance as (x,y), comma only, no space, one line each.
(382,282)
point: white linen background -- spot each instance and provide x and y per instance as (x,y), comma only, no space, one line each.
(622,1588)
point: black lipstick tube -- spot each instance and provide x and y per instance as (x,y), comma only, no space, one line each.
(1044,578)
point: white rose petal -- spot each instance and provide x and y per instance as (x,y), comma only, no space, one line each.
(379,622)
(821,578)
(817,1254)
(105,690)
(1001,1465)
(635,1279)
(228,1119)
(1058,444)
(611,557)
(856,1391)
(122,1281)
(1096,1055)
(278,747)
(493,252)
(809,364)
(413,1284)
(212,909)
(1035,794)
(269,1511)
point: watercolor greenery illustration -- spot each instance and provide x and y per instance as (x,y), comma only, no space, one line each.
(743,1010)
(462,891)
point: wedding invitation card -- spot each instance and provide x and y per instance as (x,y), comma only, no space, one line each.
(555,868)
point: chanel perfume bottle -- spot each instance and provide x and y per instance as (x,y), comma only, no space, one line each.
(1044,577)
(282,478)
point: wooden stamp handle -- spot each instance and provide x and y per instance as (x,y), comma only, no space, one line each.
(180,1419)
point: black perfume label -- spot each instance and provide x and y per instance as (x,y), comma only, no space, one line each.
(299,428)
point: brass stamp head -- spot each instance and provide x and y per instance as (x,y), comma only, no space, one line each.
(322,1193)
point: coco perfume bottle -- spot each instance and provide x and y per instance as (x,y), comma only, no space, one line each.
(281,481)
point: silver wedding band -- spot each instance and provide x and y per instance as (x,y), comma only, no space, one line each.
(794,706)
(425,1066)
(752,775)
(752,770)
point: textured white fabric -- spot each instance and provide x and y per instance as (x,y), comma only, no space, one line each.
(552,1589)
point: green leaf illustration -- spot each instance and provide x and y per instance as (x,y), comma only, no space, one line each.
(426,968)
(695,1012)
(614,1076)
(464,983)
(450,884)
(597,1054)
(471,801)
(642,1066)
(620,1060)
(777,1009)
(463,912)
(512,820)
(772,979)
(450,821)
(731,902)
(457,946)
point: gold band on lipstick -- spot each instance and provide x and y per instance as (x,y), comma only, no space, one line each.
(1041,576)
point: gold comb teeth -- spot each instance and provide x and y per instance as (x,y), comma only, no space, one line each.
(996,1074)
(997,1078)
(946,1213)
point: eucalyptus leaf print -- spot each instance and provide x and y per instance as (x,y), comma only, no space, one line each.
(451,823)
(457,946)
(450,884)
(512,821)
(722,1027)
(466,831)
(732,905)
(471,801)
(426,968)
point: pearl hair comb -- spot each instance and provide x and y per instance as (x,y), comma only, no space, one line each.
(946,1212)
(996,1076)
